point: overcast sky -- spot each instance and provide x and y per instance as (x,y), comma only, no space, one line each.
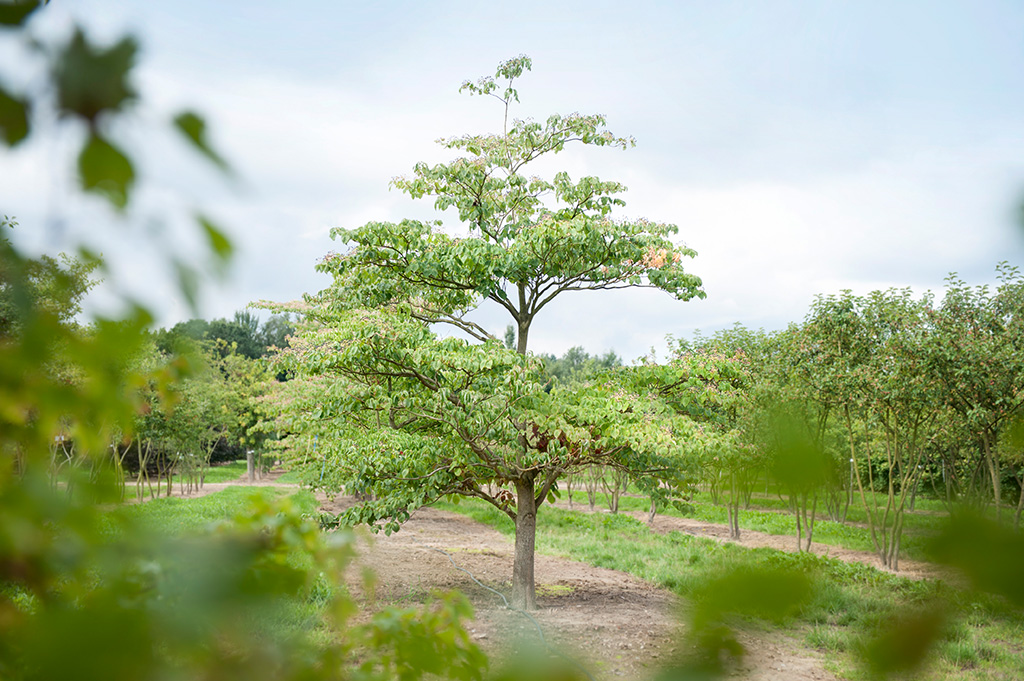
(801,147)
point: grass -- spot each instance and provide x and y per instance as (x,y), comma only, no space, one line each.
(228,472)
(846,602)
(167,518)
(770,515)
(173,515)
(293,476)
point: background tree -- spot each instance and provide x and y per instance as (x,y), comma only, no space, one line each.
(40,286)
(977,354)
(430,416)
(243,334)
(709,382)
(577,365)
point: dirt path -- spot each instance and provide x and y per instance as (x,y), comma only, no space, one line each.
(617,626)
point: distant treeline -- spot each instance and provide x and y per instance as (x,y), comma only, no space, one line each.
(243,335)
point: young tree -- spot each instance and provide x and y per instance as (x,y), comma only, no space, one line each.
(976,351)
(709,382)
(428,416)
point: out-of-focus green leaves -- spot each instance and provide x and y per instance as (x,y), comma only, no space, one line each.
(188,283)
(798,461)
(537,664)
(769,594)
(13,118)
(903,644)
(408,644)
(193,127)
(1014,435)
(989,554)
(105,170)
(17,12)
(91,80)
(218,241)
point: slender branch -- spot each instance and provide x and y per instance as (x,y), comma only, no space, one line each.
(472,328)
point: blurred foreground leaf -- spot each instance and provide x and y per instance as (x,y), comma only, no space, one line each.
(91,80)
(903,644)
(193,127)
(105,170)
(771,594)
(990,555)
(220,244)
(17,12)
(13,118)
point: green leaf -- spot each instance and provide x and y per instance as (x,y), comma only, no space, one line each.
(13,118)
(105,170)
(15,13)
(219,243)
(91,80)
(188,284)
(193,127)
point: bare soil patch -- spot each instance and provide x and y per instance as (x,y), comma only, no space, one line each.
(615,625)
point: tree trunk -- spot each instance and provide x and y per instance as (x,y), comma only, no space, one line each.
(809,521)
(524,593)
(993,469)
(1020,504)
(733,507)
(524,335)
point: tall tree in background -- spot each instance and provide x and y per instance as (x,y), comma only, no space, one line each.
(427,417)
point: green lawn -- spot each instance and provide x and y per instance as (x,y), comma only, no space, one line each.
(173,515)
(769,515)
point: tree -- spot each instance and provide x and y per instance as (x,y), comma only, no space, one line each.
(275,332)
(521,252)
(977,353)
(414,417)
(709,382)
(40,286)
(577,365)
(243,334)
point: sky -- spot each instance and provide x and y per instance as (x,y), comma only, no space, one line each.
(802,148)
